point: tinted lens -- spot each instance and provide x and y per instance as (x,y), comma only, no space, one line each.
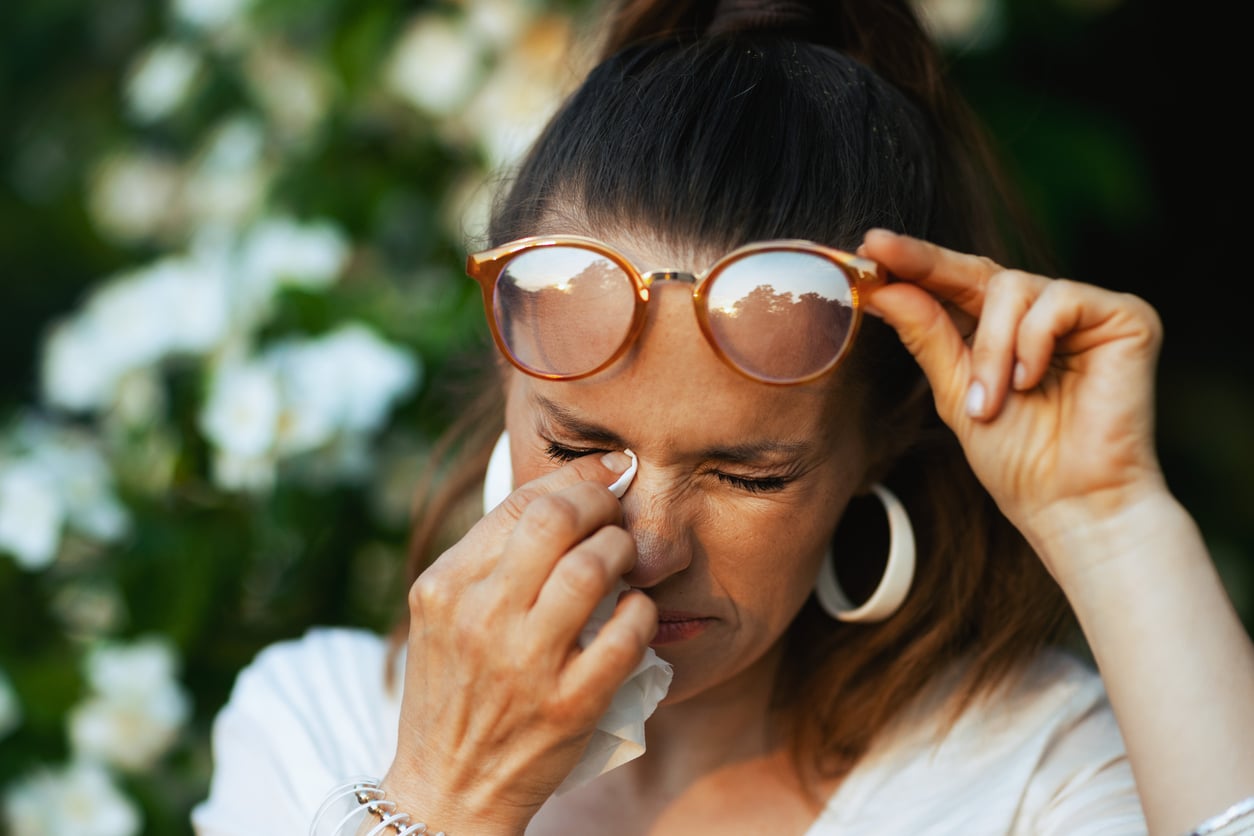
(781,315)
(563,310)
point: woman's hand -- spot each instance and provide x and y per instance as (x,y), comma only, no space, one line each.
(1048,383)
(499,698)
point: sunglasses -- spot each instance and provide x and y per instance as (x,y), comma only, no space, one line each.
(563,307)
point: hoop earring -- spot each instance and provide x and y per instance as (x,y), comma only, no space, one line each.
(898,572)
(498,481)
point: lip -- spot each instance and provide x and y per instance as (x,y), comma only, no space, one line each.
(676,626)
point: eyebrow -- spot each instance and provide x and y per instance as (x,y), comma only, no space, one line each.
(748,453)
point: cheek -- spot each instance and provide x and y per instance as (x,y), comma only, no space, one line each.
(766,558)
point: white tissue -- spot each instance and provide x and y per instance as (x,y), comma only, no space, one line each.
(619,736)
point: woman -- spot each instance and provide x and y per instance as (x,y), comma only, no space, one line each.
(695,264)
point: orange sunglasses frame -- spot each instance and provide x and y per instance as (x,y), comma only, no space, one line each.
(486,267)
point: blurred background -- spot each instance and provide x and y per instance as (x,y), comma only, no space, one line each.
(232,235)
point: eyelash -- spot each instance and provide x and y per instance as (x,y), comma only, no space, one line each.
(769,484)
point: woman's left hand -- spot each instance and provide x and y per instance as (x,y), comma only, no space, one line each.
(1048,383)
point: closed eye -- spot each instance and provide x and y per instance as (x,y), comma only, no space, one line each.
(763,485)
(559,453)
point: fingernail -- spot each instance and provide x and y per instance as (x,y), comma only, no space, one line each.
(622,483)
(616,462)
(975,399)
(1019,375)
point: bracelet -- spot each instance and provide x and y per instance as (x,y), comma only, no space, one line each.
(1240,813)
(367,796)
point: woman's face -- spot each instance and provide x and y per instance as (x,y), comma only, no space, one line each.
(739,486)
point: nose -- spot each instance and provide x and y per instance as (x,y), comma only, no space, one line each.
(653,512)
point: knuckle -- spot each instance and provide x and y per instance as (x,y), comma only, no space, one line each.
(551,517)
(622,649)
(430,594)
(582,574)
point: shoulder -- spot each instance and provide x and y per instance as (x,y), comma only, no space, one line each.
(1040,754)
(323,655)
(327,684)
(302,716)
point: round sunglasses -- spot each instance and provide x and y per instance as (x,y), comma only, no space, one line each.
(563,307)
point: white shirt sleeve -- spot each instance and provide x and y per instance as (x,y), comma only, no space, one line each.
(304,717)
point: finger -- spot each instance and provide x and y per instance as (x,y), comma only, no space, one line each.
(579,582)
(603,470)
(956,278)
(550,526)
(475,555)
(1071,318)
(1008,296)
(606,662)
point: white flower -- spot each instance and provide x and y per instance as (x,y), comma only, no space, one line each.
(436,64)
(306,396)
(283,251)
(130,669)
(251,474)
(210,14)
(59,479)
(160,80)
(499,22)
(137,707)
(72,375)
(369,374)
(344,382)
(292,89)
(80,798)
(241,415)
(302,396)
(135,197)
(231,175)
(10,708)
(31,514)
(131,733)
(82,479)
(131,322)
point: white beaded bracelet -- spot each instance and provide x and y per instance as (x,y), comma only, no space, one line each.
(1236,820)
(367,796)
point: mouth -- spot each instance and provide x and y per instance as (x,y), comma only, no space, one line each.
(674,626)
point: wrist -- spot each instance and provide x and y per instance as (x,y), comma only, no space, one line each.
(1094,540)
(453,813)
(1102,555)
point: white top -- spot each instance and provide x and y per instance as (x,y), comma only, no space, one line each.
(1044,758)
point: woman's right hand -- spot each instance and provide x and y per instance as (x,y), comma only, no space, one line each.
(499,698)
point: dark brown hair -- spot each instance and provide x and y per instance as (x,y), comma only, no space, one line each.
(722,123)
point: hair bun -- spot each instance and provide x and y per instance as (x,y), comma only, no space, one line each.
(743,15)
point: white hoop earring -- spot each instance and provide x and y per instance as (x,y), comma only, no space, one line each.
(898,572)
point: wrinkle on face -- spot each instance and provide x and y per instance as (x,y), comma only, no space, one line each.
(745,559)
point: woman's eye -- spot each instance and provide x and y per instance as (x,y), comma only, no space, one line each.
(556,452)
(766,484)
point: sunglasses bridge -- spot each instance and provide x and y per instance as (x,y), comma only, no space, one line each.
(667,276)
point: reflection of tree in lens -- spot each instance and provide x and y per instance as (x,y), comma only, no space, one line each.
(565,323)
(778,336)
